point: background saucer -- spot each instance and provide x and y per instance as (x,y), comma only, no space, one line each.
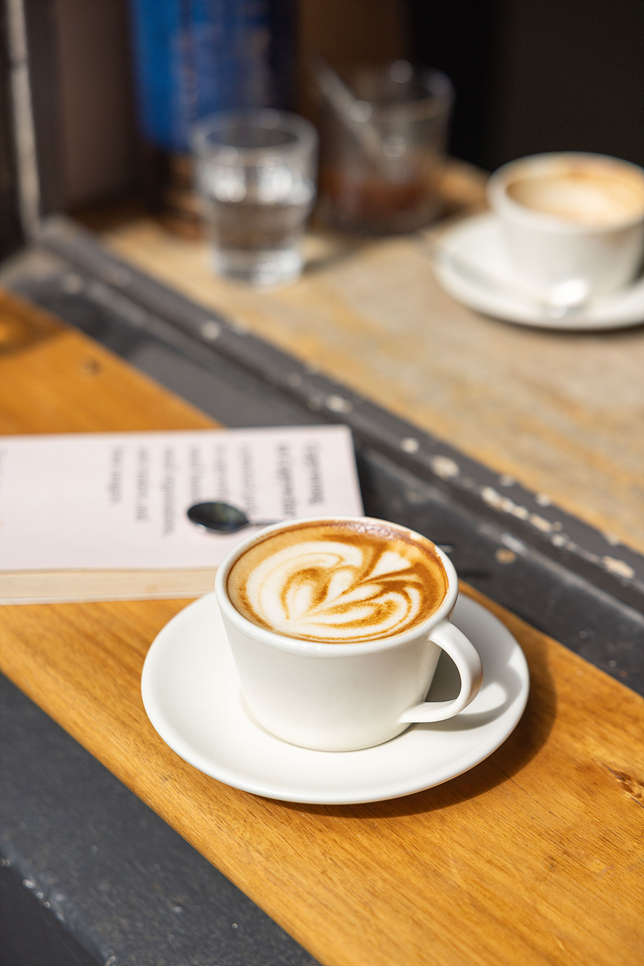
(478,242)
(191,695)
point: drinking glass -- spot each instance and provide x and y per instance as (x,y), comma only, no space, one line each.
(255,173)
(383,146)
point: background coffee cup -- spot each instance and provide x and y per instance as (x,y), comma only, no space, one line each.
(342,697)
(571,217)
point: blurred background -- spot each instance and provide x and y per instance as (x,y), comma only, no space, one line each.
(530,76)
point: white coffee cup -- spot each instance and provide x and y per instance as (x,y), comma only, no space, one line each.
(346,696)
(571,219)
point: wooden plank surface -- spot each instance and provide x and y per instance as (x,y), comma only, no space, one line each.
(534,857)
(560,412)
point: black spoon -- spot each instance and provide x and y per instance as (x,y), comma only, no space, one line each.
(222,517)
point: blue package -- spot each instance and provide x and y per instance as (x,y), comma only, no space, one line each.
(194,57)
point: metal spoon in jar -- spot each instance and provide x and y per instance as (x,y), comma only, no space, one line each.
(222,517)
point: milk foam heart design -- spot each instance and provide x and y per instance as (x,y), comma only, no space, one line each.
(330,590)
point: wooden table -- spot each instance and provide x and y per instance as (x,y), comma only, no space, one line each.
(535,856)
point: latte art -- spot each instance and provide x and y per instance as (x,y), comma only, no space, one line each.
(338,583)
(585,194)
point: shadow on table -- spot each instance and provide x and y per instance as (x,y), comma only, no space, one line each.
(529,736)
(611,332)
(330,250)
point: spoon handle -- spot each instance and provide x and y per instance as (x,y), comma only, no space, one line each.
(565,299)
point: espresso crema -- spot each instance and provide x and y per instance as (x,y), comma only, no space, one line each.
(593,194)
(338,582)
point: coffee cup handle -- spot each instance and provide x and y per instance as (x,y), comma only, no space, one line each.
(465,657)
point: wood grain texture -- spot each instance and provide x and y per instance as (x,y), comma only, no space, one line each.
(560,412)
(534,857)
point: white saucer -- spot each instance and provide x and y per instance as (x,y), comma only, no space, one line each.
(191,694)
(473,252)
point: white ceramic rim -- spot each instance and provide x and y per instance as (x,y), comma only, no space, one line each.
(508,208)
(319,648)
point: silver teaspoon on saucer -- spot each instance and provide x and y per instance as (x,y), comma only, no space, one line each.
(222,517)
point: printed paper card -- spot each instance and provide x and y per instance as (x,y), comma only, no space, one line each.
(118,501)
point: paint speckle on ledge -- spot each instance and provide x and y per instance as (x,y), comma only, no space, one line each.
(612,539)
(338,404)
(618,567)
(541,523)
(504,503)
(505,556)
(211,330)
(445,467)
(516,545)
(409,444)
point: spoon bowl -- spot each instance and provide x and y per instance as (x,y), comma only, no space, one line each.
(220,517)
